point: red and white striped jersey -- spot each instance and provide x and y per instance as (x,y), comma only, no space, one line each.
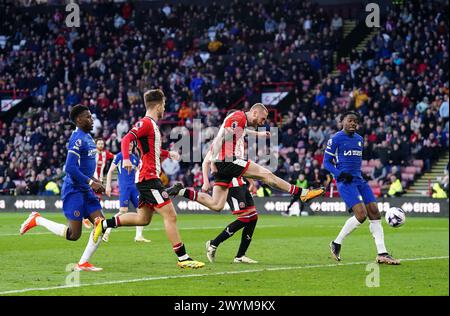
(100,159)
(148,137)
(231,137)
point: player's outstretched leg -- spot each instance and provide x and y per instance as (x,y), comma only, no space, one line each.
(35,219)
(376,229)
(258,172)
(246,239)
(211,245)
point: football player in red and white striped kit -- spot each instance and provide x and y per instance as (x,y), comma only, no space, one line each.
(226,165)
(101,158)
(242,205)
(152,193)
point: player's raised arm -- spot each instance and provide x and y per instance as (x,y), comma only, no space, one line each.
(257,133)
(113,167)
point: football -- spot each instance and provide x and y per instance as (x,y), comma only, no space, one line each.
(395,217)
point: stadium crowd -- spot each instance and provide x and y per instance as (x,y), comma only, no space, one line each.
(205,59)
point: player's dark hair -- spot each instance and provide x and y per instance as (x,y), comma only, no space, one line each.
(98,139)
(358,117)
(77,110)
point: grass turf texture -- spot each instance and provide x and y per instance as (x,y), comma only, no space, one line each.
(293,257)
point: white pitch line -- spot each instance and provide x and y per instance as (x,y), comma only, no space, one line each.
(208,274)
(149,229)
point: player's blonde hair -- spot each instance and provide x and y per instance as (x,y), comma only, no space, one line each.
(259,106)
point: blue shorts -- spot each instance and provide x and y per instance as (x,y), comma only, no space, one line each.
(127,195)
(358,191)
(79,205)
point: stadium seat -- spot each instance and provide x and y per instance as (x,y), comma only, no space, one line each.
(408,176)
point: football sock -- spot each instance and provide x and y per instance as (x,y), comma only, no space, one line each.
(227,232)
(55,228)
(111,223)
(180,251)
(139,230)
(377,232)
(350,225)
(107,232)
(246,238)
(188,194)
(90,248)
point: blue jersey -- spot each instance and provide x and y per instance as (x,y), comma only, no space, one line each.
(80,163)
(344,154)
(126,179)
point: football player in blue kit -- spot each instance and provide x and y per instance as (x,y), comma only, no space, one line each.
(343,158)
(128,191)
(78,191)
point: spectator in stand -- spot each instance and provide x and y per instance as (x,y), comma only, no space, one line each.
(171,168)
(379,173)
(395,187)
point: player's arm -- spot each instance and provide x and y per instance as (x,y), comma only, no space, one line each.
(256,133)
(140,129)
(109,177)
(73,167)
(205,170)
(251,185)
(329,159)
(329,162)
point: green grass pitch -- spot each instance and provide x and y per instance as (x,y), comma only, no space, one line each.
(293,257)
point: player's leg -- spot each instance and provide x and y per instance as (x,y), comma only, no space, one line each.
(352,198)
(134,198)
(215,202)
(72,204)
(250,218)
(375,226)
(211,245)
(92,211)
(123,208)
(255,171)
(246,239)
(167,211)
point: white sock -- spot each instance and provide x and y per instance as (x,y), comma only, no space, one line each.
(181,193)
(139,230)
(90,248)
(55,228)
(107,232)
(377,232)
(350,225)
